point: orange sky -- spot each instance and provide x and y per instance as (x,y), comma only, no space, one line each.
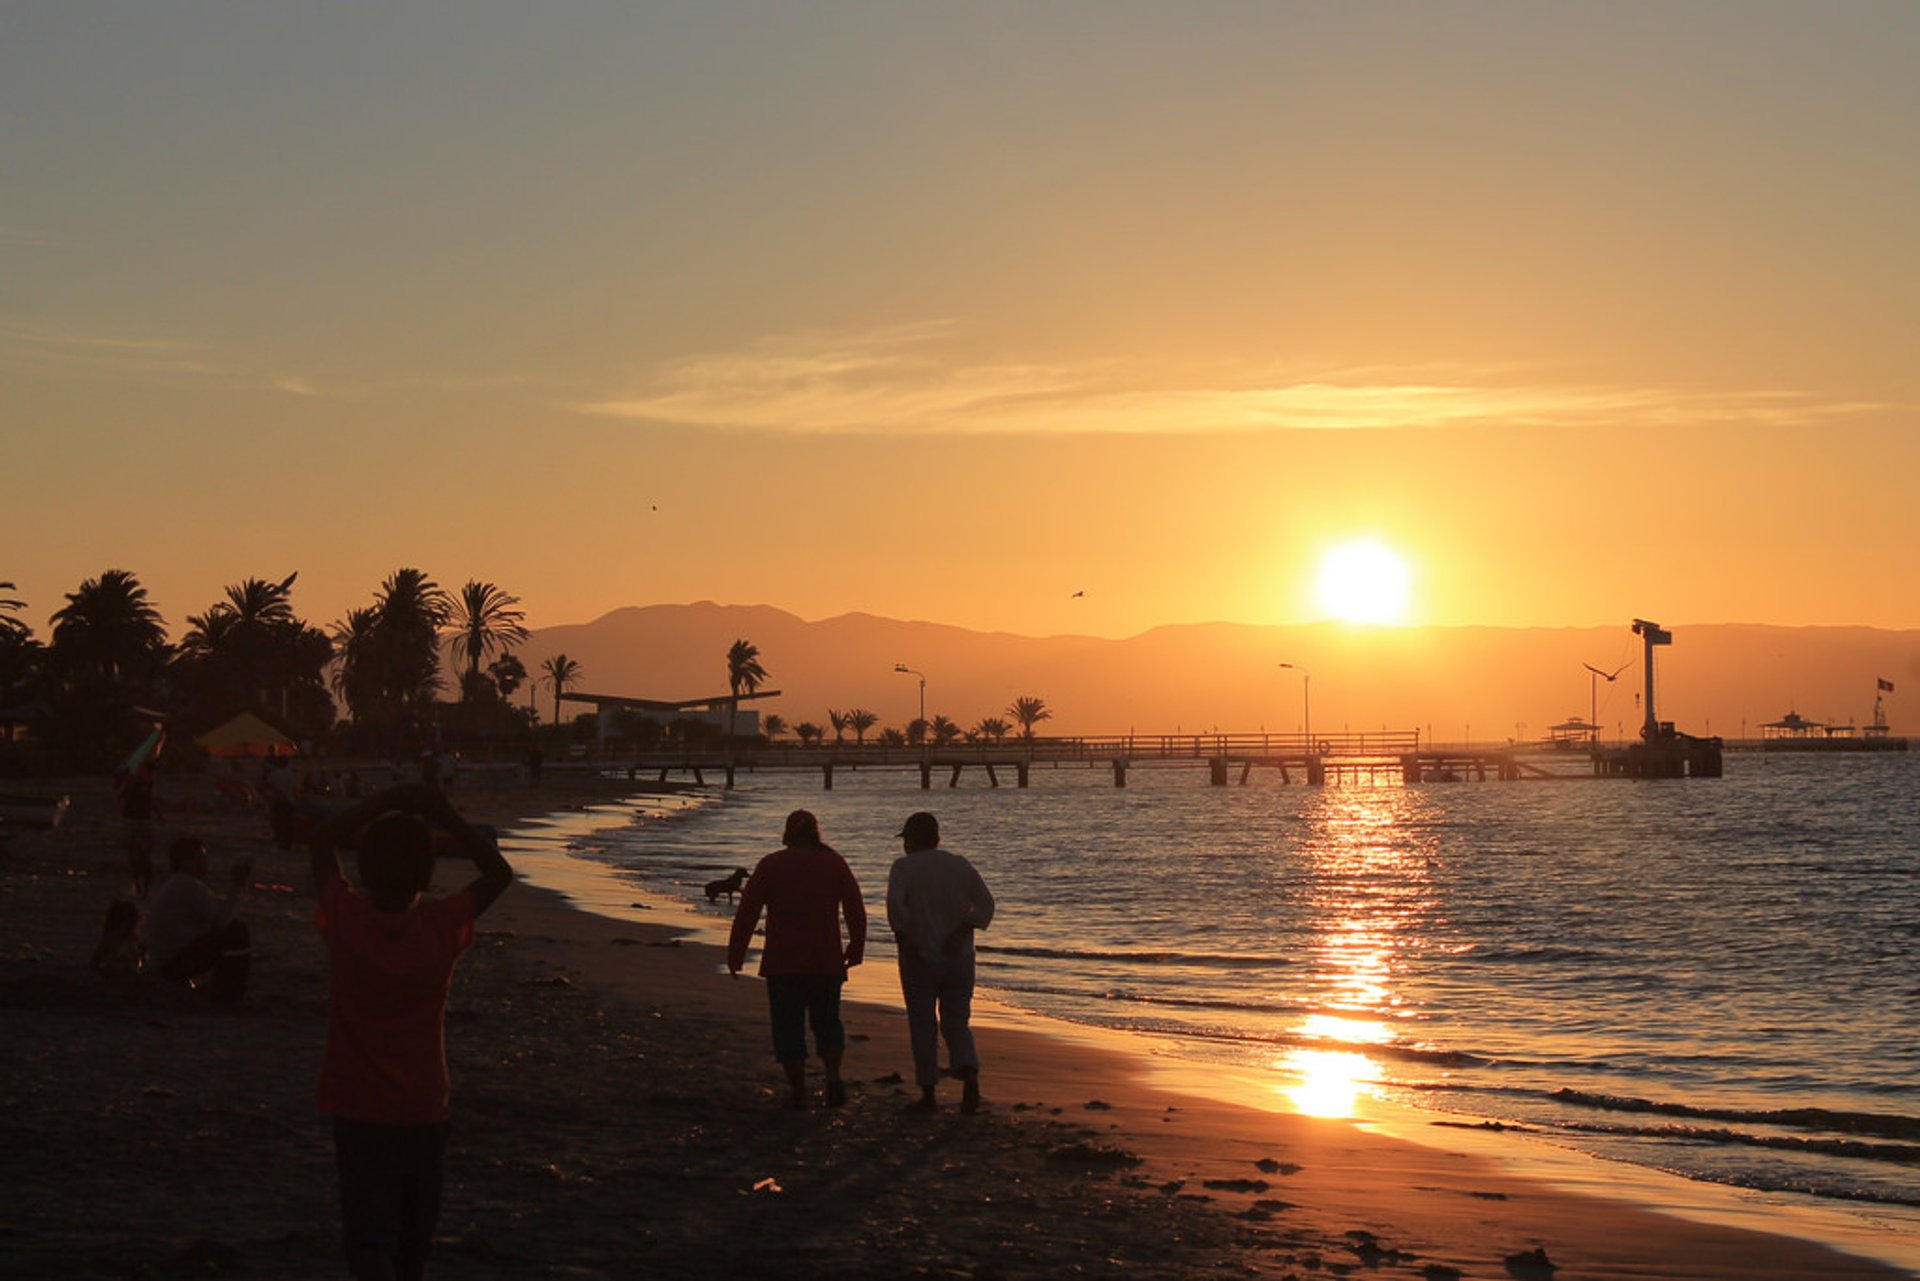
(949,312)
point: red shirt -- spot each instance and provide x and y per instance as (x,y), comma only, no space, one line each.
(804,891)
(386,1058)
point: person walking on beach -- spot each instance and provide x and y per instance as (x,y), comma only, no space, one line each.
(391,954)
(935,901)
(805,888)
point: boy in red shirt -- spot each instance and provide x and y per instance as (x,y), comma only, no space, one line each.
(390,956)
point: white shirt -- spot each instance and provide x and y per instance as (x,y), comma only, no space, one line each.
(930,895)
(181,910)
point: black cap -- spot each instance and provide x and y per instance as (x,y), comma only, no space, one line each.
(921,828)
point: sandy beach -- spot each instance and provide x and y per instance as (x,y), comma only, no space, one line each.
(616,1114)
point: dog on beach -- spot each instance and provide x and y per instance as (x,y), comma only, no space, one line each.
(727,885)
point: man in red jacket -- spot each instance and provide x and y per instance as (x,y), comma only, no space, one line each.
(804,887)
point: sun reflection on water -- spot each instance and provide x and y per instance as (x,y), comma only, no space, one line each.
(1370,891)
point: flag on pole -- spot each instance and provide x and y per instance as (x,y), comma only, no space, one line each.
(1886,686)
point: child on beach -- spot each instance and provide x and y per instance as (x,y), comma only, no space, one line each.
(804,888)
(391,955)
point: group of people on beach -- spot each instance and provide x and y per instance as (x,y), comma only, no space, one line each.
(392,951)
(935,902)
(391,954)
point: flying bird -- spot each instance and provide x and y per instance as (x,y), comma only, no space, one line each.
(1079,593)
(1608,676)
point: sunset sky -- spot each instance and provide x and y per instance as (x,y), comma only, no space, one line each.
(952,311)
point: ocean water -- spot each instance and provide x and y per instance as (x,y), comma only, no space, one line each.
(1715,978)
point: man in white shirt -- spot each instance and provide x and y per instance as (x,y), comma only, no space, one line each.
(935,901)
(191,934)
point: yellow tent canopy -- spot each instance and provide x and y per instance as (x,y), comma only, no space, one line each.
(247,735)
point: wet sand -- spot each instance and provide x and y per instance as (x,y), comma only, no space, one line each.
(617,1114)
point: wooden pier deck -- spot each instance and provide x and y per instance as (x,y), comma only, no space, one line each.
(1388,756)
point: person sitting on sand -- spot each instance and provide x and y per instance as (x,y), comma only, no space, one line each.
(192,936)
(804,887)
(935,901)
(391,954)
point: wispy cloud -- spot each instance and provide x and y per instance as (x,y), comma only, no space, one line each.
(168,355)
(909,380)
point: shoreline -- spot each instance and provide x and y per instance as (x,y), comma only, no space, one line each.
(1152,1064)
(616,1110)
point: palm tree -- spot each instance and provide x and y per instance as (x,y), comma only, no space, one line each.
(808,733)
(944,731)
(484,619)
(355,671)
(411,609)
(744,675)
(992,727)
(1029,711)
(252,650)
(839,722)
(892,737)
(860,720)
(109,629)
(508,673)
(561,674)
(773,724)
(12,606)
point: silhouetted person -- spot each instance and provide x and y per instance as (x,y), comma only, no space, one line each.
(283,802)
(391,954)
(805,887)
(135,790)
(193,937)
(935,901)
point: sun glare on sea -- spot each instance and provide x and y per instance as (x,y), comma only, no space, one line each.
(1365,582)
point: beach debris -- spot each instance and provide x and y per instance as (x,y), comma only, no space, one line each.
(1172,1186)
(1097,1105)
(1272,1205)
(1366,1246)
(156,1092)
(1440,1272)
(1092,1154)
(1267,1165)
(555,980)
(1236,1185)
(1489,1196)
(768,1185)
(1531,1265)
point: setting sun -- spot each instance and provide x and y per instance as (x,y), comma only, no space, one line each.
(1364,582)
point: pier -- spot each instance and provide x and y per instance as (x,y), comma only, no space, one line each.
(1224,759)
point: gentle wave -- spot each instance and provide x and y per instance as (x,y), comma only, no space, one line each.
(1209,960)
(1878,1125)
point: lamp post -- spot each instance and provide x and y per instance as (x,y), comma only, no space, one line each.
(908,671)
(1306,700)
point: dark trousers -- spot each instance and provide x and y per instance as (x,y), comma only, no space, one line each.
(224,956)
(390,1179)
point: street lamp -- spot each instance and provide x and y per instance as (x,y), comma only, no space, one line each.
(1593,694)
(1306,699)
(908,671)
